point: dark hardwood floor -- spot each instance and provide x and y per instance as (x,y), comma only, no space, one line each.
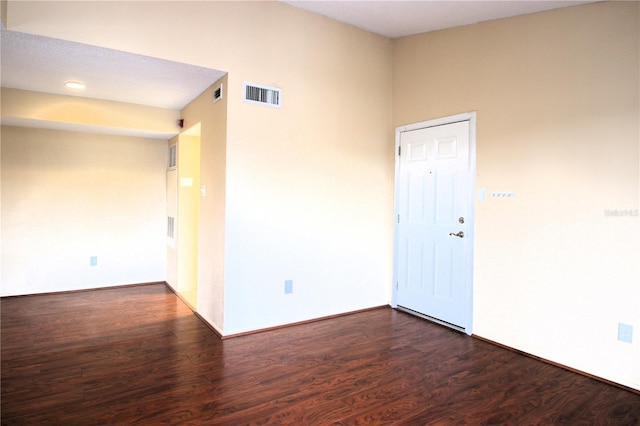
(137,355)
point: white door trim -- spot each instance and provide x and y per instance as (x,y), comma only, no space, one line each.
(471,118)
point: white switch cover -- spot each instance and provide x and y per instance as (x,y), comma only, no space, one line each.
(203,191)
(625,333)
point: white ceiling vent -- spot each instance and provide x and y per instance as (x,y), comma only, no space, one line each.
(262,95)
(217,93)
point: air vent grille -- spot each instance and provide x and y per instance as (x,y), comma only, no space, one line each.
(170,226)
(262,95)
(217,93)
(172,157)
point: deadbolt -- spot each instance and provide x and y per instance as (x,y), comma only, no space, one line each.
(461,219)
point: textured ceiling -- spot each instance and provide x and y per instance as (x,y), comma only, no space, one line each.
(43,64)
(401,18)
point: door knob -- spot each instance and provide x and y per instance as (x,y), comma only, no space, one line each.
(458,234)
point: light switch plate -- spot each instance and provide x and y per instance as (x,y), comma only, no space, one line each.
(625,332)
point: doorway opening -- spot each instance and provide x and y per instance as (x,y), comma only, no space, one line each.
(188,215)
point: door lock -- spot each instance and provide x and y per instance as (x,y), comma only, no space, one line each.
(458,234)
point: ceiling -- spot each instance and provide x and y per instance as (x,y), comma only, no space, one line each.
(43,64)
(398,18)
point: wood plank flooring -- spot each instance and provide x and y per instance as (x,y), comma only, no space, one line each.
(138,356)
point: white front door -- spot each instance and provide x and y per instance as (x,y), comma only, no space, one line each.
(434,223)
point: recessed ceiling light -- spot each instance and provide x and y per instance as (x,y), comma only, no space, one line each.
(75,85)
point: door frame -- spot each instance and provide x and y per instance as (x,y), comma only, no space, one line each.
(471,118)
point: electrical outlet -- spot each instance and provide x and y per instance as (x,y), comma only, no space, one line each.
(625,332)
(288,286)
(93,261)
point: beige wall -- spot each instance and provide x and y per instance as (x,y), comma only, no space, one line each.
(557,101)
(172,211)
(212,119)
(188,214)
(67,196)
(310,185)
(44,110)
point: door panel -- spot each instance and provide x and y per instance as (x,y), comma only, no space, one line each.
(433,193)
